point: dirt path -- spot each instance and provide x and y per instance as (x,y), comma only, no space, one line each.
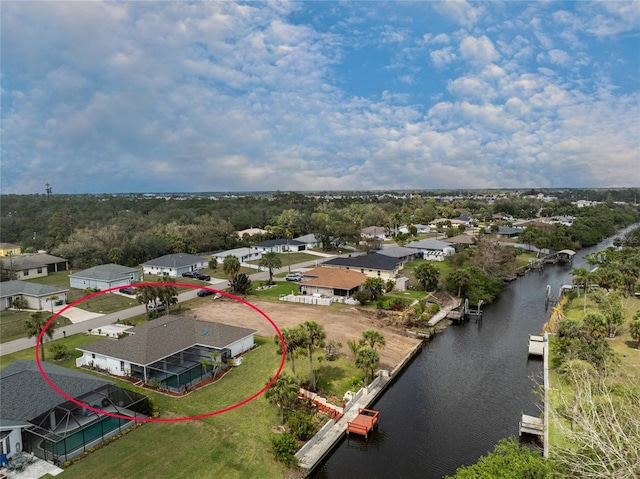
(339,325)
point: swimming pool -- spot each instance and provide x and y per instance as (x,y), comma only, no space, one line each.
(78,439)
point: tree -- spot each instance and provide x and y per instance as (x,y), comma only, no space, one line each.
(282,392)
(427,275)
(634,328)
(367,359)
(214,361)
(460,279)
(314,338)
(20,303)
(145,295)
(213,264)
(373,338)
(293,339)
(611,307)
(240,283)
(231,266)
(52,299)
(375,287)
(600,427)
(508,460)
(271,261)
(35,325)
(582,277)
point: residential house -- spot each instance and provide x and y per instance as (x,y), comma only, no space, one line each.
(309,240)
(402,254)
(432,249)
(281,245)
(37,296)
(174,264)
(244,254)
(332,282)
(167,351)
(374,265)
(460,242)
(10,249)
(36,418)
(420,229)
(34,265)
(508,231)
(375,233)
(104,277)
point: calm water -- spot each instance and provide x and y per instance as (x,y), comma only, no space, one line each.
(465,391)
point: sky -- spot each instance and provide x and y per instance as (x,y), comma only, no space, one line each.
(158,96)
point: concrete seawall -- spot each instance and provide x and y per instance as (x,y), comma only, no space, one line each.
(316,449)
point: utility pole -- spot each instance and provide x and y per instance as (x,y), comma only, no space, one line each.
(49,190)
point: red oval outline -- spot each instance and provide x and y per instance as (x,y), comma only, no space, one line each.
(150,419)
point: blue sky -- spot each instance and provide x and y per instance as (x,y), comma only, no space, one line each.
(189,96)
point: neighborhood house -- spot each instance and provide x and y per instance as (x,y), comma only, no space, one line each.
(36,419)
(104,277)
(174,264)
(34,265)
(36,296)
(168,351)
(332,282)
(374,265)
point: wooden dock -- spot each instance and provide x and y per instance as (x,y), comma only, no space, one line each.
(536,345)
(531,425)
(363,423)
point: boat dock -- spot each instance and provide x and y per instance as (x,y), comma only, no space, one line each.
(312,453)
(531,425)
(363,423)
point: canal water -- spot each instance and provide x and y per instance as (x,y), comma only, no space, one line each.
(466,390)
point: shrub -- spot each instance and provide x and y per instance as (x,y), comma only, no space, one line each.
(59,351)
(284,448)
(302,424)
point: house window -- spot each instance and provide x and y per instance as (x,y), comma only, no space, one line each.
(121,365)
(39,270)
(25,272)
(93,356)
(378,272)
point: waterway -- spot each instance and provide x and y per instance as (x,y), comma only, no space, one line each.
(465,391)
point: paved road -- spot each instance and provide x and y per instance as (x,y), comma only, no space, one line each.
(103,320)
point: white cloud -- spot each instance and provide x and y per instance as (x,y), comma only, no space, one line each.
(478,51)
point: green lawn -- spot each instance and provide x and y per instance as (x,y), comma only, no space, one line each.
(292,258)
(232,445)
(12,323)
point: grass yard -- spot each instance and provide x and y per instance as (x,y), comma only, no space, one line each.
(12,323)
(235,444)
(291,258)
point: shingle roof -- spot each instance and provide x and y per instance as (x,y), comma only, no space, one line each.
(461,239)
(165,336)
(30,261)
(8,245)
(24,393)
(334,278)
(280,242)
(431,244)
(397,252)
(367,261)
(105,272)
(16,287)
(175,260)
(310,238)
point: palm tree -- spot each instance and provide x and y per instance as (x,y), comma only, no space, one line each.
(373,338)
(272,261)
(231,266)
(51,299)
(35,325)
(367,359)
(294,338)
(282,392)
(460,278)
(144,295)
(427,275)
(314,338)
(581,277)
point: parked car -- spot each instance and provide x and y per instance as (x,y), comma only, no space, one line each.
(189,274)
(157,306)
(200,276)
(204,292)
(127,291)
(294,277)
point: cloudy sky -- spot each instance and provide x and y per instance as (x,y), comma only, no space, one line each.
(225,96)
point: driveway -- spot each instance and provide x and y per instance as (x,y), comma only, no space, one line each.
(77,315)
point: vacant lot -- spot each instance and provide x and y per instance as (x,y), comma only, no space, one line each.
(340,323)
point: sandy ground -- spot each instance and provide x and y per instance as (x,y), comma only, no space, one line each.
(339,326)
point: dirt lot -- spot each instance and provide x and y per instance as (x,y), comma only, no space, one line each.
(339,326)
